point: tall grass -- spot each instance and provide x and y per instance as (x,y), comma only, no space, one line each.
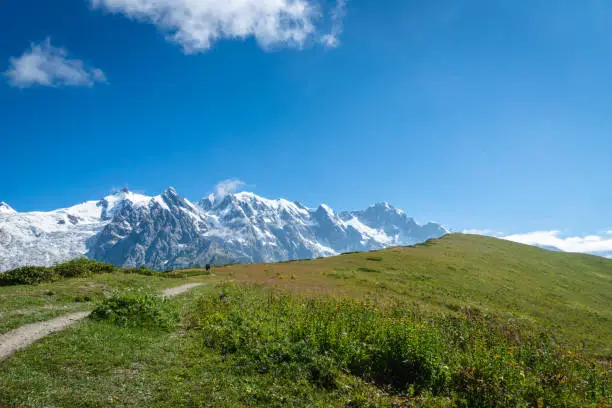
(466,361)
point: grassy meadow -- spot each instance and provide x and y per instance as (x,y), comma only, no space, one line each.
(570,294)
(23,304)
(463,321)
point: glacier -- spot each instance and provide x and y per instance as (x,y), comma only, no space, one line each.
(168,231)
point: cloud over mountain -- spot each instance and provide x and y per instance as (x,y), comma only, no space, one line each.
(594,244)
(554,240)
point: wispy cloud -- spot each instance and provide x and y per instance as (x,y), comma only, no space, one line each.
(332,39)
(46,65)
(588,244)
(197,24)
(228,186)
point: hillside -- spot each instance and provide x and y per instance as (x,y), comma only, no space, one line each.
(570,293)
(460,321)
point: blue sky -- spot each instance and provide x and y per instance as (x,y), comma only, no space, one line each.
(479,114)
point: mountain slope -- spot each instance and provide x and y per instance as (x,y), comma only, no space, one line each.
(568,293)
(45,238)
(168,231)
(6,209)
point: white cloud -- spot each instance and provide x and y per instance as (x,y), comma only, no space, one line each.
(45,65)
(226,187)
(197,24)
(588,244)
(487,232)
(332,39)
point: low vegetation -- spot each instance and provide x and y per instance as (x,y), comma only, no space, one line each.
(461,361)
(458,322)
(23,304)
(28,275)
(569,295)
(79,268)
(241,345)
(137,308)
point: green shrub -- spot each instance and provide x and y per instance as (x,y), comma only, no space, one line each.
(28,275)
(368,270)
(468,361)
(137,309)
(324,338)
(32,275)
(179,274)
(83,267)
(185,273)
(143,270)
(97,267)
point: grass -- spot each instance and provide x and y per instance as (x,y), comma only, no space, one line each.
(99,364)
(239,345)
(570,294)
(463,321)
(22,304)
(467,361)
(137,367)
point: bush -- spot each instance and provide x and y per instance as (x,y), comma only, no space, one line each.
(185,273)
(28,275)
(32,275)
(467,361)
(322,338)
(143,270)
(97,267)
(83,267)
(137,309)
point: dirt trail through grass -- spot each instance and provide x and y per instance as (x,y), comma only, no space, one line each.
(24,336)
(180,289)
(28,334)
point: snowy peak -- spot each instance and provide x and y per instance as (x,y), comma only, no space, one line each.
(6,209)
(168,231)
(170,194)
(385,206)
(326,218)
(325,209)
(172,199)
(114,203)
(384,209)
(281,206)
(382,216)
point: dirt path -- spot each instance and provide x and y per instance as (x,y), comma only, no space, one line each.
(179,289)
(25,335)
(28,334)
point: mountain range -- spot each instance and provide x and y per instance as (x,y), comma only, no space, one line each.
(168,231)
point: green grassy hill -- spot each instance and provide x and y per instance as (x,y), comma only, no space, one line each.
(460,321)
(570,293)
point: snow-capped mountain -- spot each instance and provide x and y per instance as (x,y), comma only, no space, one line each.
(5,208)
(168,231)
